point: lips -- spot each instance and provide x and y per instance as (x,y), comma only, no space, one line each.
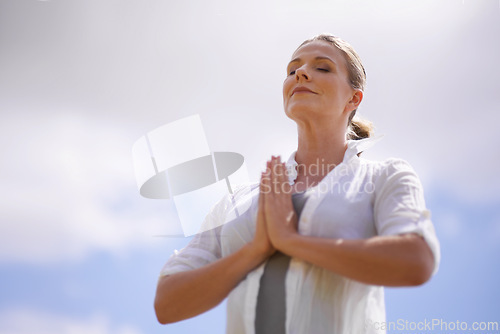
(302,89)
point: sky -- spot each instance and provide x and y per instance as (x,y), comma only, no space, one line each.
(81,81)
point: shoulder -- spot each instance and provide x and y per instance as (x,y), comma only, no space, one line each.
(391,172)
(388,166)
(395,165)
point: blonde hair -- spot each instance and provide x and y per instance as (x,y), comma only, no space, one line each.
(357,127)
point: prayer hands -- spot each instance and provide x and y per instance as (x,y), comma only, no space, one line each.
(276,219)
(261,239)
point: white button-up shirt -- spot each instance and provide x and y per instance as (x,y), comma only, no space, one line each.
(358,199)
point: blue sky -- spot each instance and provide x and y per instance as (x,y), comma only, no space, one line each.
(81,81)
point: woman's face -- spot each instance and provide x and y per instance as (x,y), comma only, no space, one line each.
(317,85)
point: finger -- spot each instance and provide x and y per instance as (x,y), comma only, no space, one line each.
(284,179)
(266,180)
(274,180)
(262,186)
(282,171)
(269,197)
(262,198)
(281,176)
(279,170)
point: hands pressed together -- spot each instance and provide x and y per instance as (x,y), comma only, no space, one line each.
(276,217)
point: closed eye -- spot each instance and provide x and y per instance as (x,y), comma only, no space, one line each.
(323,69)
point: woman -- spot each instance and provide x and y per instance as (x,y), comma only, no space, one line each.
(325,231)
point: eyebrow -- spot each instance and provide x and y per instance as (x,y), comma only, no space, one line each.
(317,58)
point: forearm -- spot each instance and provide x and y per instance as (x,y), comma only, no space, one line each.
(400,260)
(186,294)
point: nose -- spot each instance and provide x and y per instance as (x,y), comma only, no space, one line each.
(301,74)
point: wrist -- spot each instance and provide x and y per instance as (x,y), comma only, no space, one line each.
(256,254)
(286,242)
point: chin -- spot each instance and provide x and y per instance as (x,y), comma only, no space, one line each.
(298,111)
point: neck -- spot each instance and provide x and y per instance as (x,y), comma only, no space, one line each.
(319,150)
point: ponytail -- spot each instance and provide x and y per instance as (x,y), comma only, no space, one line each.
(359,128)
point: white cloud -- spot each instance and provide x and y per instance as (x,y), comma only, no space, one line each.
(67,183)
(24,321)
(68,189)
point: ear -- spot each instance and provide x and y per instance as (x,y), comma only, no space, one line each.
(355,100)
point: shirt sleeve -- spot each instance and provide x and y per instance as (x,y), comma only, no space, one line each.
(205,247)
(400,206)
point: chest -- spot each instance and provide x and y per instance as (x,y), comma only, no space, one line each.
(343,212)
(340,207)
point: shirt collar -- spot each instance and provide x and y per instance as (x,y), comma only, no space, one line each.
(354,147)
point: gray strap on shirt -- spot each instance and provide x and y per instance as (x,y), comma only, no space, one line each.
(270,315)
